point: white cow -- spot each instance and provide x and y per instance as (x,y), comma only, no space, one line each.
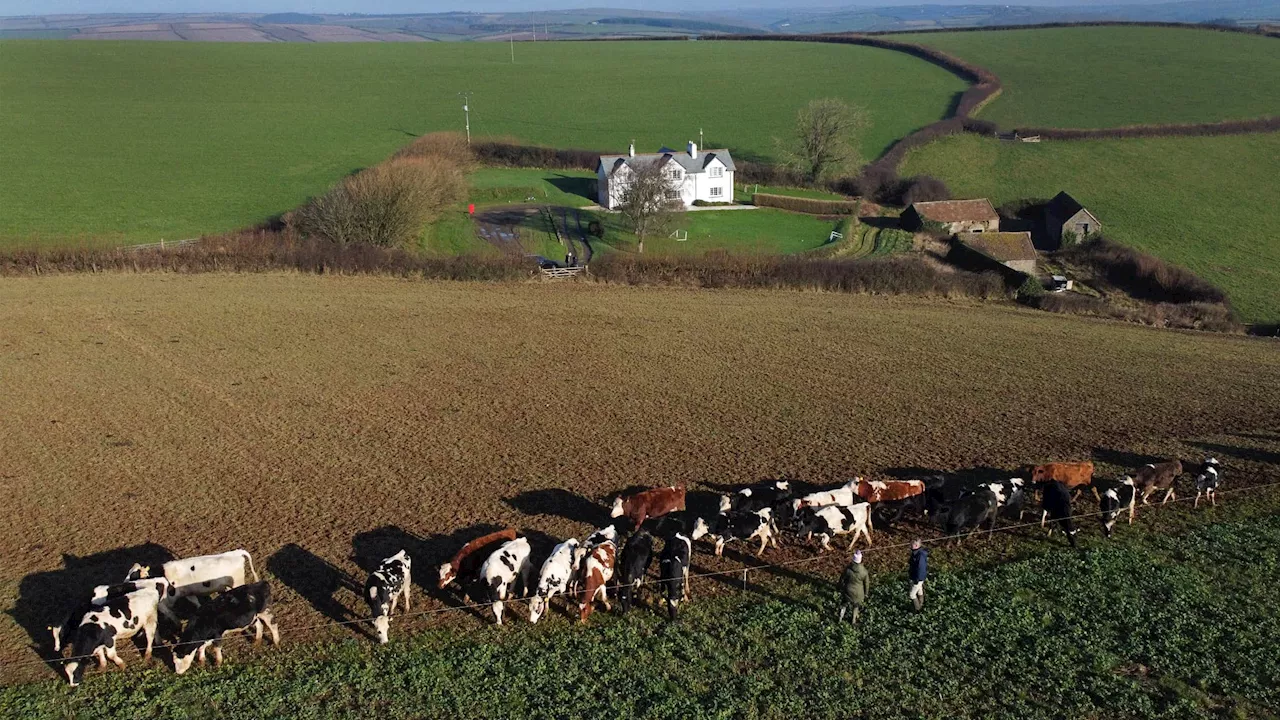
(503,573)
(558,575)
(203,575)
(844,496)
(830,521)
(119,617)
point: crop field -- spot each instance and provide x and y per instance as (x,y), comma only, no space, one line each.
(117,142)
(324,422)
(1095,77)
(1204,203)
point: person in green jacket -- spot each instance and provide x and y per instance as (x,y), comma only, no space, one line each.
(855,583)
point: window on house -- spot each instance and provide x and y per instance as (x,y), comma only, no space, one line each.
(717,191)
(717,172)
(674,174)
(673,194)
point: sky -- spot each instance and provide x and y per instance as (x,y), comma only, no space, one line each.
(60,7)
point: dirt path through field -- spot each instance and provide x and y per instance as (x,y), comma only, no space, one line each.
(324,422)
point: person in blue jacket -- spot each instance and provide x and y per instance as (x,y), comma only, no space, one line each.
(917,571)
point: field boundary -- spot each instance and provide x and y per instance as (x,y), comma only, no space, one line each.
(743,570)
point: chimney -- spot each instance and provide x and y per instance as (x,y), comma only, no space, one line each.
(693,150)
(631,151)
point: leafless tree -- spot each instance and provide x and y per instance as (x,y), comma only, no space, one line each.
(650,200)
(827,133)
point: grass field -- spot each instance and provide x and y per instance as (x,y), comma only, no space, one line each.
(1149,626)
(1205,203)
(1111,76)
(116,142)
(765,230)
(320,422)
(573,188)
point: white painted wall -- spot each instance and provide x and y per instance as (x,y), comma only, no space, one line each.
(693,186)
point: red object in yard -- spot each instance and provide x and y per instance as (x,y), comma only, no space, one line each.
(471,209)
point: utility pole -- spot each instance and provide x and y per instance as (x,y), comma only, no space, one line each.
(466,110)
(513,49)
(701,141)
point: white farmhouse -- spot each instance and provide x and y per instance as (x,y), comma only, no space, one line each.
(705,175)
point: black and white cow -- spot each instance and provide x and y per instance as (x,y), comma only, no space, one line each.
(63,632)
(605,534)
(559,575)
(244,607)
(384,588)
(1011,497)
(763,495)
(1207,480)
(637,555)
(674,567)
(832,520)
(505,574)
(970,511)
(734,525)
(1057,506)
(1116,498)
(119,617)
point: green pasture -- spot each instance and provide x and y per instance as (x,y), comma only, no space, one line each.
(758,231)
(121,142)
(1208,204)
(1092,77)
(1150,625)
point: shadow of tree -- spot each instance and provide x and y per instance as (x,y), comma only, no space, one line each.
(1251,454)
(1124,458)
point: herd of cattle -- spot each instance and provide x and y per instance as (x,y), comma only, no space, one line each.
(205,598)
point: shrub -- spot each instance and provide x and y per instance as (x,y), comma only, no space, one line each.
(387,204)
(1031,290)
(510,154)
(709,203)
(449,145)
(1069,239)
(1143,276)
(595,229)
(924,188)
(1188,316)
(812,206)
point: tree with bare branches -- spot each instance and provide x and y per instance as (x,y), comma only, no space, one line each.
(650,200)
(827,133)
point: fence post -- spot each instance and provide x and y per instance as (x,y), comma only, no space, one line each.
(744,578)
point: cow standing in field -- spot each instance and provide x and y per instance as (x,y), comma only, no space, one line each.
(844,496)
(505,574)
(674,571)
(1116,499)
(469,558)
(769,494)
(637,555)
(1157,476)
(96,632)
(971,510)
(558,575)
(1057,505)
(241,608)
(832,520)
(598,571)
(1074,475)
(648,504)
(892,498)
(197,576)
(745,526)
(1207,482)
(384,588)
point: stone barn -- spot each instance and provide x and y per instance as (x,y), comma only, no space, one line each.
(953,216)
(1066,215)
(1011,249)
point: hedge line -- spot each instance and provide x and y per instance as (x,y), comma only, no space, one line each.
(812,206)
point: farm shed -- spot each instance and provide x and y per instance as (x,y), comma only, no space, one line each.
(1011,249)
(1065,215)
(955,216)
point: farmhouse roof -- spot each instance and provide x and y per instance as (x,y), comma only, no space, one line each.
(692,165)
(1001,246)
(1064,206)
(947,211)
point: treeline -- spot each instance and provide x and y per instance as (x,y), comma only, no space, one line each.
(1225,127)
(1209,25)
(813,206)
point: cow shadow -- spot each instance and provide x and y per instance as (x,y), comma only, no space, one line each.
(1251,454)
(46,598)
(756,568)
(1123,458)
(315,580)
(559,502)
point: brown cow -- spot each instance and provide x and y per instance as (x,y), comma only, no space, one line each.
(1159,476)
(648,504)
(469,558)
(1075,475)
(874,491)
(598,571)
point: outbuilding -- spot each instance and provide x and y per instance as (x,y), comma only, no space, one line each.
(952,216)
(1065,216)
(1011,249)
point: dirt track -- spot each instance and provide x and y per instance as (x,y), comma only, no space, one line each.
(314,421)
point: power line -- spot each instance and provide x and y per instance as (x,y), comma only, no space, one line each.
(743,570)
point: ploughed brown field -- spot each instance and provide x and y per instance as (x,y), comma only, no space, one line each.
(324,422)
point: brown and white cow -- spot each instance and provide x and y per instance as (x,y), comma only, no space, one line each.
(1157,476)
(874,491)
(598,571)
(1075,475)
(647,504)
(470,557)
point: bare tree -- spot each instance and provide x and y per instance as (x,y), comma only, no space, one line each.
(650,200)
(827,133)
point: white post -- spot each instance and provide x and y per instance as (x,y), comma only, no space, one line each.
(466,110)
(513,49)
